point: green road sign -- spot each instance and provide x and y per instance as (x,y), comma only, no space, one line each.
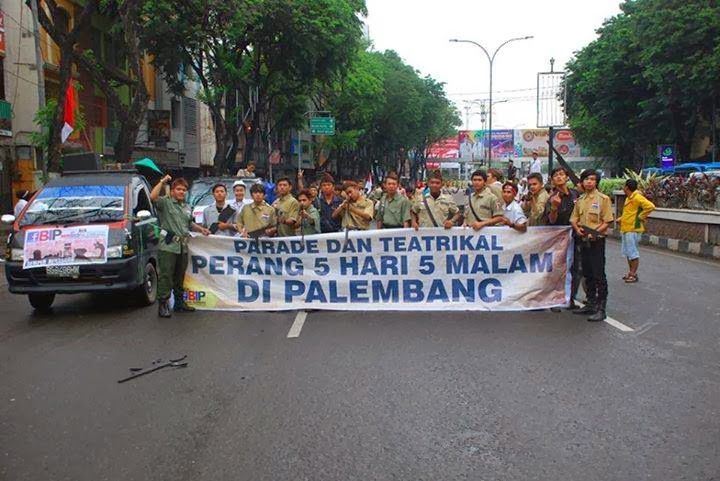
(322,126)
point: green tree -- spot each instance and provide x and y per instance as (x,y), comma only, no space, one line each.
(650,77)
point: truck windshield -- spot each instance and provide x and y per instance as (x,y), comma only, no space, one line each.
(76,204)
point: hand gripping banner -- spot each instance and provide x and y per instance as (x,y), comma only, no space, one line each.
(495,269)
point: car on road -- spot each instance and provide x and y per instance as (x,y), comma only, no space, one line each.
(200,194)
(115,204)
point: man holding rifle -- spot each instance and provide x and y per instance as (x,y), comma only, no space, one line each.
(257,219)
(590,219)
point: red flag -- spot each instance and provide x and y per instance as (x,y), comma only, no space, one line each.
(69,117)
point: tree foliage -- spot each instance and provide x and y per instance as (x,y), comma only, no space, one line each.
(652,76)
(385,111)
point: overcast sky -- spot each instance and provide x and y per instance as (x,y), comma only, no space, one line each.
(419,31)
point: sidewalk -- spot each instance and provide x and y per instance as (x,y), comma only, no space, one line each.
(701,249)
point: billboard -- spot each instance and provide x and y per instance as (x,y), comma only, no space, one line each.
(444,149)
(528,141)
(473,144)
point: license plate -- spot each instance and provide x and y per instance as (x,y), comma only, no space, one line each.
(62,271)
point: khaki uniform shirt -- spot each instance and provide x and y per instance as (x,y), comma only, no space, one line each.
(592,210)
(253,217)
(287,208)
(393,212)
(486,205)
(536,208)
(442,208)
(175,218)
(354,221)
(496,188)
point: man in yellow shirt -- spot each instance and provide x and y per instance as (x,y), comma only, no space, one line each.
(632,224)
(287,209)
(591,218)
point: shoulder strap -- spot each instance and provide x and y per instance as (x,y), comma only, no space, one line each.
(477,217)
(429,211)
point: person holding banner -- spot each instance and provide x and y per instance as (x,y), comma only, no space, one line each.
(558,210)
(590,219)
(287,209)
(434,209)
(175,219)
(393,209)
(218,217)
(309,215)
(257,219)
(356,211)
(513,214)
(534,202)
(327,202)
(483,209)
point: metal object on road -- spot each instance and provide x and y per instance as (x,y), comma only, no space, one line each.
(156,366)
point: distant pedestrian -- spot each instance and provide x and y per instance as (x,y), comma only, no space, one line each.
(536,165)
(249,171)
(511,171)
(591,218)
(632,224)
(23,197)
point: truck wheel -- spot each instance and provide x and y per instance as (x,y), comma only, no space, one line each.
(42,301)
(147,291)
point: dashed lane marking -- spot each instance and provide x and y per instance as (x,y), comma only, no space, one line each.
(297,325)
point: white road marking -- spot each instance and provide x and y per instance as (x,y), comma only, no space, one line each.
(619,325)
(613,322)
(298,324)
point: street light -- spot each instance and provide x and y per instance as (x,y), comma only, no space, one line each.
(491,59)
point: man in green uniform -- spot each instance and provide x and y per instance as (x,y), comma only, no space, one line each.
(309,215)
(436,209)
(356,211)
(393,210)
(175,218)
(591,218)
(482,208)
(257,219)
(287,209)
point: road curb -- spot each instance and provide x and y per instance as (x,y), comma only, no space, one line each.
(700,249)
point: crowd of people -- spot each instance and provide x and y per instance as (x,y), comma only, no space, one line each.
(490,200)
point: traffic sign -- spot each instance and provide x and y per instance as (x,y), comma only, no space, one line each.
(322,126)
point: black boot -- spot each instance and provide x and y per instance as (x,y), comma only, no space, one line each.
(599,314)
(589,308)
(182,307)
(164,308)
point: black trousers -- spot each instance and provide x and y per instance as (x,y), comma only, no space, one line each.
(576,270)
(592,258)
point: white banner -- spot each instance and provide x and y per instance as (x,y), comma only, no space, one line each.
(65,246)
(496,269)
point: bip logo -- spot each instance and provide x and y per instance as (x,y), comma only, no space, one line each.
(196,297)
(45,235)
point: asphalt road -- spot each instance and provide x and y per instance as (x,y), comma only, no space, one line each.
(371,396)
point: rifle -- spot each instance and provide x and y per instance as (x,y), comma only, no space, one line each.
(573,176)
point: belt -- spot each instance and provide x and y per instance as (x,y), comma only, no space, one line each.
(385,226)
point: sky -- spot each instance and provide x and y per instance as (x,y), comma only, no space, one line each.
(419,30)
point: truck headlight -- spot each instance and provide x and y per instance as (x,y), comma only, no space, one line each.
(115,252)
(16,254)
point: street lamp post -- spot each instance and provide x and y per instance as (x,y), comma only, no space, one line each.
(491,59)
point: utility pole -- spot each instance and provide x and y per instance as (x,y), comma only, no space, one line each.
(551,132)
(40,67)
